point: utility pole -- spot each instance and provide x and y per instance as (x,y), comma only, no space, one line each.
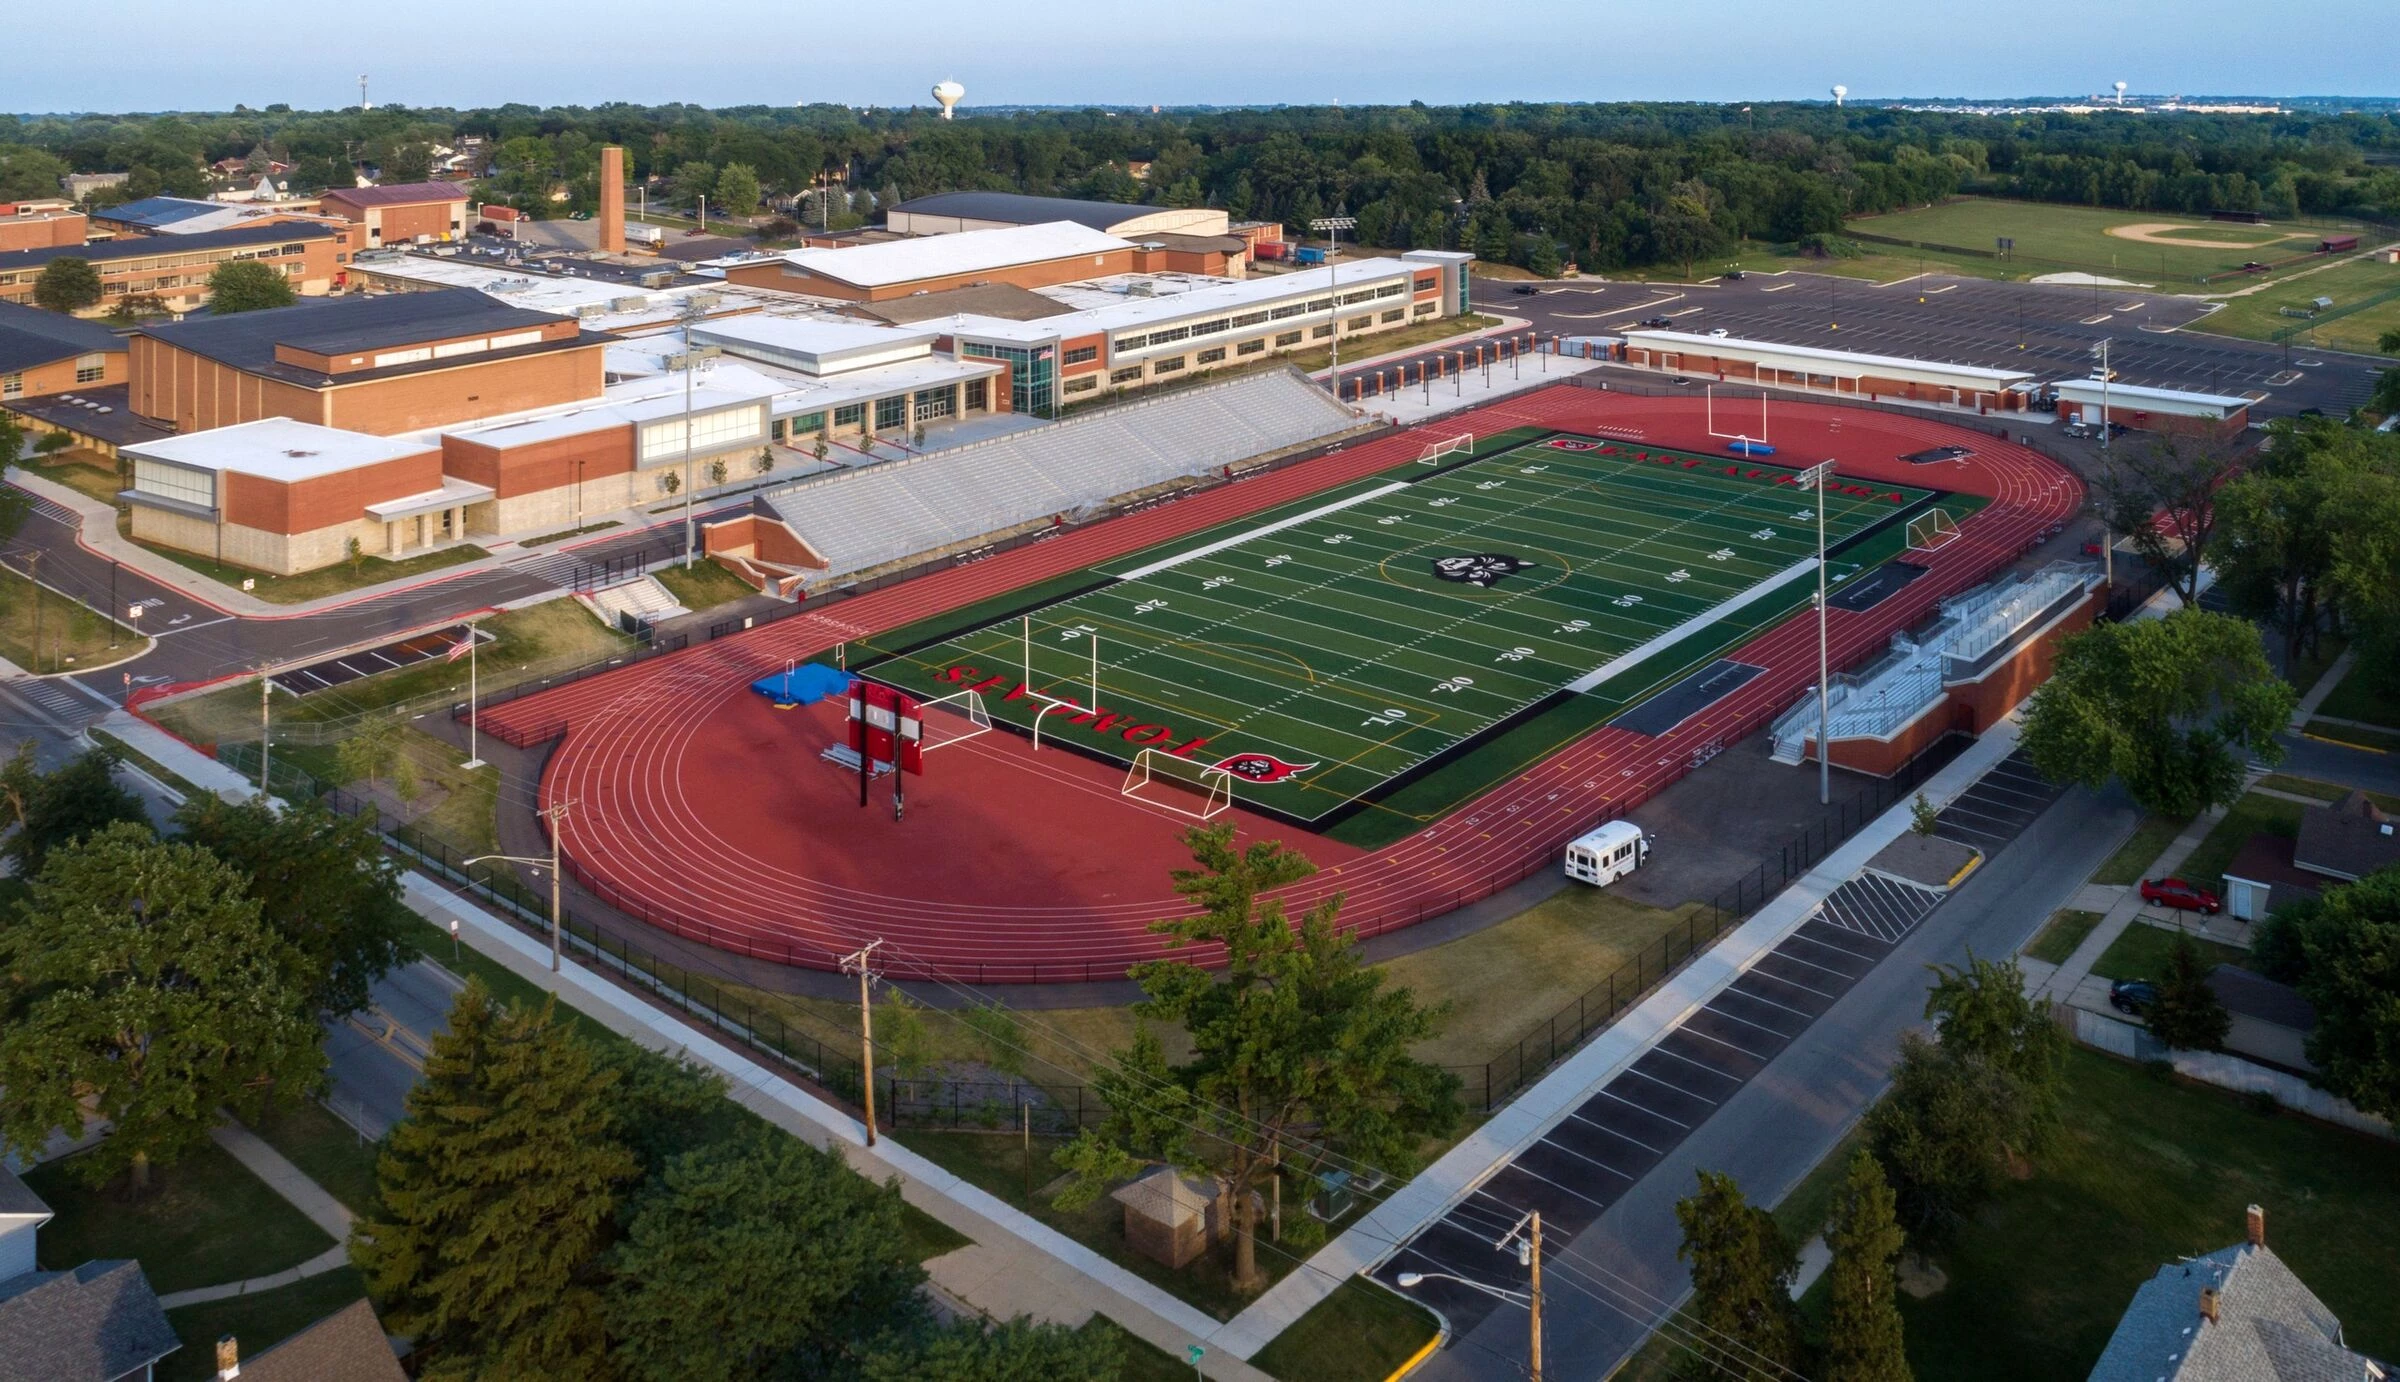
(2108,478)
(861,962)
(33,577)
(266,737)
(557,817)
(1526,1236)
(474,741)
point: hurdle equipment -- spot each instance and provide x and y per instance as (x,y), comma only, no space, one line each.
(1462,444)
(1158,778)
(1931,531)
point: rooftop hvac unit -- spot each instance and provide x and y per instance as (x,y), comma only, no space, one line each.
(585,311)
(634,303)
(657,278)
(705,301)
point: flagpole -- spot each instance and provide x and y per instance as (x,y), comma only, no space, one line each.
(474,742)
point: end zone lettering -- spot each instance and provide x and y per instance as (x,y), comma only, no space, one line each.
(1098,719)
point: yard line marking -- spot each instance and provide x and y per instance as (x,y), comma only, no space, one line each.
(1616,666)
(1168,564)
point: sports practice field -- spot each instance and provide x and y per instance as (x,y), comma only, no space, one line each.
(2141,246)
(1319,653)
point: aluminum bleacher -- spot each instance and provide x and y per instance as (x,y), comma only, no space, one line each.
(868,517)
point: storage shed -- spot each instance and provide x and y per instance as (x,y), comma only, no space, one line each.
(1171,1218)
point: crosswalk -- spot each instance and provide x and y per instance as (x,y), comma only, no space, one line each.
(1878,906)
(52,698)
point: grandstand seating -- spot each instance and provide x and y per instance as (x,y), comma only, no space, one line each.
(644,597)
(867,517)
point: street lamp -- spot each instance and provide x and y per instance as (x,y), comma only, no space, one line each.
(1816,477)
(1526,1237)
(557,816)
(691,312)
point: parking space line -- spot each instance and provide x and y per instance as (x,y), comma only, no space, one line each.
(1610,1093)
(1578,1117)
(1635,1069)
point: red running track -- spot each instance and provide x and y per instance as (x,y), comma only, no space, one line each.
(700,809)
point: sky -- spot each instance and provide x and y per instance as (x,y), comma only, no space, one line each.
(139,55)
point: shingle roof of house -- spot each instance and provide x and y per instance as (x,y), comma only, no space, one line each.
(30,336)
(345,1346)
(16,1197)
(2349,839)
(93,1324)
(2269,1327)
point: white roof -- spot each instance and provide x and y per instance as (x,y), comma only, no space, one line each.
(599,303)
(944,256)
(1609,835)
(816,345)
(638,400)
(278,448)
(2142,397)
(1846,363)
(1173,297)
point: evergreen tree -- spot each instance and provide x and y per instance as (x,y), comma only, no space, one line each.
(1742,1273)
(138,984)
(497,1192)
(761,1210)
(1943,1133)
(2188,1014)
(247,286)
(322,882)
(1863,1337)
(1016,1351)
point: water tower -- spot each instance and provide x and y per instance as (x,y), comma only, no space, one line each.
(948,94)
(2120,93)
(1838,93)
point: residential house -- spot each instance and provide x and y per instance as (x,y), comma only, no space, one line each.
(99,1322)
(2234,1315)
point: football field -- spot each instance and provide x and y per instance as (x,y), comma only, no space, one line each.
(1320,653)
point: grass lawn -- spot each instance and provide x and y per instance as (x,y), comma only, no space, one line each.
(923,1237)
(2258,316)
(2381,741)
(96,479)
(257,1323)
(565,533)
(2324,791)
(704,586)
(2059,939)
(2078,237)
(2252,815)
(537,641)
(207,1220)
(328,1149)
(1360,1333)
(2134,857)
(2358,697)
(336,579)
(2144,950)
(1507,981)
(74,637)
(143,761)
(2146,1170)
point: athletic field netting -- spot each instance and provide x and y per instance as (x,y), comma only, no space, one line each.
(1322,652)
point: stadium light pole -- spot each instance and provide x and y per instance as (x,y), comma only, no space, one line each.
(2108,475)
(691,312)
(1816,477)
(1332,227)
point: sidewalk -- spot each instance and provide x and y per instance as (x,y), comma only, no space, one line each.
(295,1187)
(2073,982)
(1530,1116)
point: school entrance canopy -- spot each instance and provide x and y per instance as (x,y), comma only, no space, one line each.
(1845,372)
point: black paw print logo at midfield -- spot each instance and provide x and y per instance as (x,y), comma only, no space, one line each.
(1483,569)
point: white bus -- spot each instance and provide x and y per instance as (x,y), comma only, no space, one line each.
(1617,848)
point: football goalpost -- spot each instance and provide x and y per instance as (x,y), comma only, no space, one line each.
(1462,444)
(1179,784)
(1931,531)
(1743,441)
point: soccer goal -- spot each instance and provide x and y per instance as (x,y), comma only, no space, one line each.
(968,718)
(1179,784)
(1931,531)
(1462,444)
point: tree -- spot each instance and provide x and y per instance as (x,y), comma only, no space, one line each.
(2275,530)
(496,1196)
(2386,399)
(1982,1012)
(67,285)
(763,1208)
(2163,497)
(2176,708)
(56,808)
(1742,1272)
(2188,1015)
(2351,976)
(1017,1350)
(246,285)
(321,881)
(669,482)
(141,987)
(717,471)
(692,182)
(666,1105)
(1863,1340)
(764,461)
(737,190)
(1942,1132)
(1295,1043)
(370,753)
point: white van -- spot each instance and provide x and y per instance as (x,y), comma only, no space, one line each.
(1617,848)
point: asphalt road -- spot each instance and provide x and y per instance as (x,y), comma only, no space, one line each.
(374,1058)
(2048,329)
(1613,1279)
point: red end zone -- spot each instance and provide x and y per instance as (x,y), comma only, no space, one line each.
(707,812)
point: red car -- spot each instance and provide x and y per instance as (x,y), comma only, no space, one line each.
(2182,896)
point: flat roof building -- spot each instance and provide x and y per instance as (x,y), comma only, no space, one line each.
(403,212)
(2147,409)
(39,226)
(380,365)
(175,270)
(1025,256)
(188,216)
(947,213)
(1848,373)
(44,353)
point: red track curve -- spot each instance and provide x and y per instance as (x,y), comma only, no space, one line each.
(670,842)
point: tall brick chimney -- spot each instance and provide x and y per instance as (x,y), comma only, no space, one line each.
(2256,1223)
(229,1358)
(612,200)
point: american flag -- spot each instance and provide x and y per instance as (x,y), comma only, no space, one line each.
(461,648)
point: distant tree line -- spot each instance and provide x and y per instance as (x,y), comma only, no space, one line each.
(1607,186)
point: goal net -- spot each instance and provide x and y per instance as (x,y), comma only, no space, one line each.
(967,717)
(1932,531)
(1462,444)
(1179,784)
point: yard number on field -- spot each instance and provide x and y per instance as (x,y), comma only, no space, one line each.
(1575,626)
(1214,581)
(1627,601)
(1721,554)
(1279,559)
(1763,535)
(1069,635)
(1384,717)
(1149,606)
(1337,538)
(1514,655)
(1678,575)
(1454,684)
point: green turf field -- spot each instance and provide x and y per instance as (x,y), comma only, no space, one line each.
(2173,251)
(1361,634)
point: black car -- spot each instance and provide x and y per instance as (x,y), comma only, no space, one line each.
(1526,290)
(1658,323)
(2133,996)
(1733,275)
